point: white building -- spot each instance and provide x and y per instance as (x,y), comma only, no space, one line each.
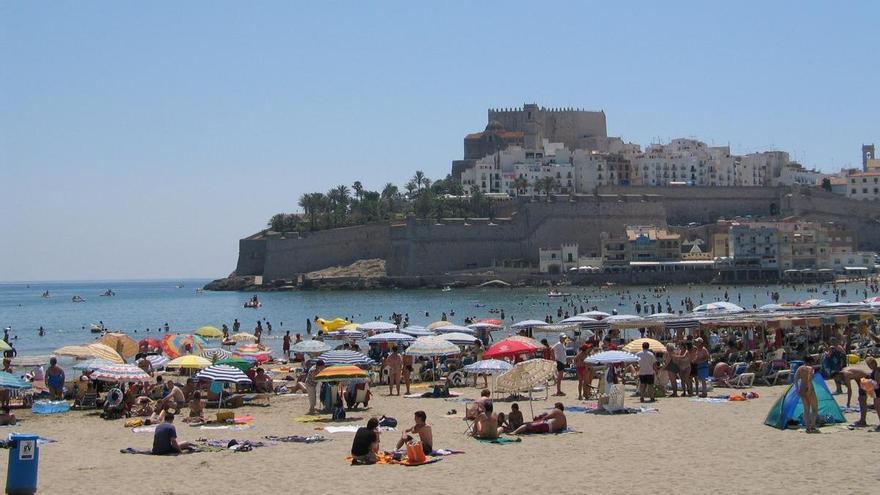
(864,186)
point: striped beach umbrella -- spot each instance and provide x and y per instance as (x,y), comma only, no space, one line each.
(120,373)
(223,373)
(310,347)
(377,326)
(485,325)
(454,329)
(104,351)
(488,367)
(175,345)
(417,331)
(612,357)
(432,346)
(216,354)
(720,307)
(390,337)
(353,358)
(577,319)
(74,351)
(91,364)
(459,338)
(157,361)
(12,382)
(30,360)
(438,324)
(341,373)
(528,324)
(345,334)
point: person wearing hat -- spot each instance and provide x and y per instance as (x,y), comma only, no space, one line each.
(561,357)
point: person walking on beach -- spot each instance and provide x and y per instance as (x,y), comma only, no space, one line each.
(803,382)
(647,365)
(560,356)
(285,345)
(395,366)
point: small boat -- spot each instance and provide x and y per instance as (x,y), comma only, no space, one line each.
(253,304)
(446,288)
(46,295)
(179,286)
(107,293)
(77,299)
(199,290)
(96,328)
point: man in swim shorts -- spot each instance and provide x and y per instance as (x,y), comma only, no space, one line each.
(551,422)
(394,362)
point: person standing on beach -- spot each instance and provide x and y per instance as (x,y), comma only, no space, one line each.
(55,379)
(561,357)
(308,326)
(312,384)
(395,366)
(873,374)
(701,366)
(647,365)
(285,345)
(803,382)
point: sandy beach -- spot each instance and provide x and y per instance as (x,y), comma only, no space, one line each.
(686,447)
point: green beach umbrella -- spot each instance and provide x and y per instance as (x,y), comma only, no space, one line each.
(242,364)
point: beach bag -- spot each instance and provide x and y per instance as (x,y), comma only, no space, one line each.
(387,422)
(224,416)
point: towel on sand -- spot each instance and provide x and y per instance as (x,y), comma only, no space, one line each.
(499,440)
(325,418)
(297,439)
(386,458)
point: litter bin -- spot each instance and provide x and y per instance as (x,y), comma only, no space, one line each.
(24,457)
(794,366)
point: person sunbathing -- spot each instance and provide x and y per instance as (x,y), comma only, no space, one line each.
(196,409)
(486,424)
(422,429)
(262,382)
(7,418)
(551,422)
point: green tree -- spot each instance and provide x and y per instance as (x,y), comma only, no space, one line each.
(410,187)
(358,189)
(520,184)
(826,184)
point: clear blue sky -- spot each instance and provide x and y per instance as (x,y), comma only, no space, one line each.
(143,139)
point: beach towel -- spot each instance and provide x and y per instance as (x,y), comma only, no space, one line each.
(150,452)
(325,418)
(297,439)
(144,429)
(445,452)
(710,400)
(499,440)
(430,395)
(389,459)
(353,429)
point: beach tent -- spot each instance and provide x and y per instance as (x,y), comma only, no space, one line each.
(788,407)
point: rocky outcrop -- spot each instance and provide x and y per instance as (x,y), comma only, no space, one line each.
(232,282)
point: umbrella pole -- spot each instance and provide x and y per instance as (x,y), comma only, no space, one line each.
(531,407)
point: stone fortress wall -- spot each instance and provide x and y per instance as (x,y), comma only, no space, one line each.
(560,125)
(429,247)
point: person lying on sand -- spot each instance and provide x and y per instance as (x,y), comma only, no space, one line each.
(422,429)
(551,422)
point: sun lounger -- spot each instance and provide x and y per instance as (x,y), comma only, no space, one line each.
(88,400)
(744,380)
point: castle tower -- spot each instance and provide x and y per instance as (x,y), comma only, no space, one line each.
(867,154)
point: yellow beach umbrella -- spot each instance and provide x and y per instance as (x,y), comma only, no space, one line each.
(75,351)
(189,361)
(243,337)
(437,324)
(636,346)
(4,346)
(103,351)
(121,343)
(209,332)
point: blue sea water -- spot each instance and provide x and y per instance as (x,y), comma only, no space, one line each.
(140,308)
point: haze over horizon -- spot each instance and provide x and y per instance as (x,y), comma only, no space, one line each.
(141,141)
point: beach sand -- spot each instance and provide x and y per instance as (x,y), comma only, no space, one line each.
(687,447)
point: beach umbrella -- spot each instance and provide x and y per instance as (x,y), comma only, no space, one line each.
(660,315)
(353,358)
(150,342)
(437,324)
(343,334)
(528,324)
(557,328)
(30,360)
(124,345)
(417,331)
(243,337)
(488,367)
(189,362)
(579,319)
(453,329)
(626,321)
(680,323)
(12,382)
(636,346)
(253,352)
(872,300)
(103,351)
(209,332)
(595,314)
(511,347)
(525,376)
(492,321)
(310,347)
(612,357)
(772,307)
(719,307)
(238,363)
(157,361)
(459,338)
(341,373)
(175,345)
(120,373)
(91,364)
(376,326)
(223,374)
(74,351)
(4,346)
(432,346)
(390,337)
(812,303)
(215,354)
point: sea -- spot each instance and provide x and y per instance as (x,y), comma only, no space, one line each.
(141,308)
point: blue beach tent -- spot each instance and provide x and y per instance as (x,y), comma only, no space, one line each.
(788,408)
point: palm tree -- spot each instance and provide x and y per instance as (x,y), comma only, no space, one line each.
(312,204)
(538,186)
(419,178)
(549,185)
(520,184)
(410,187)
(358,189)
(389,194)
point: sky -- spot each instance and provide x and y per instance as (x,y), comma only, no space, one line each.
(141,140)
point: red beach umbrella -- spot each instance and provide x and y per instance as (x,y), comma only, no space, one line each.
(509,348)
